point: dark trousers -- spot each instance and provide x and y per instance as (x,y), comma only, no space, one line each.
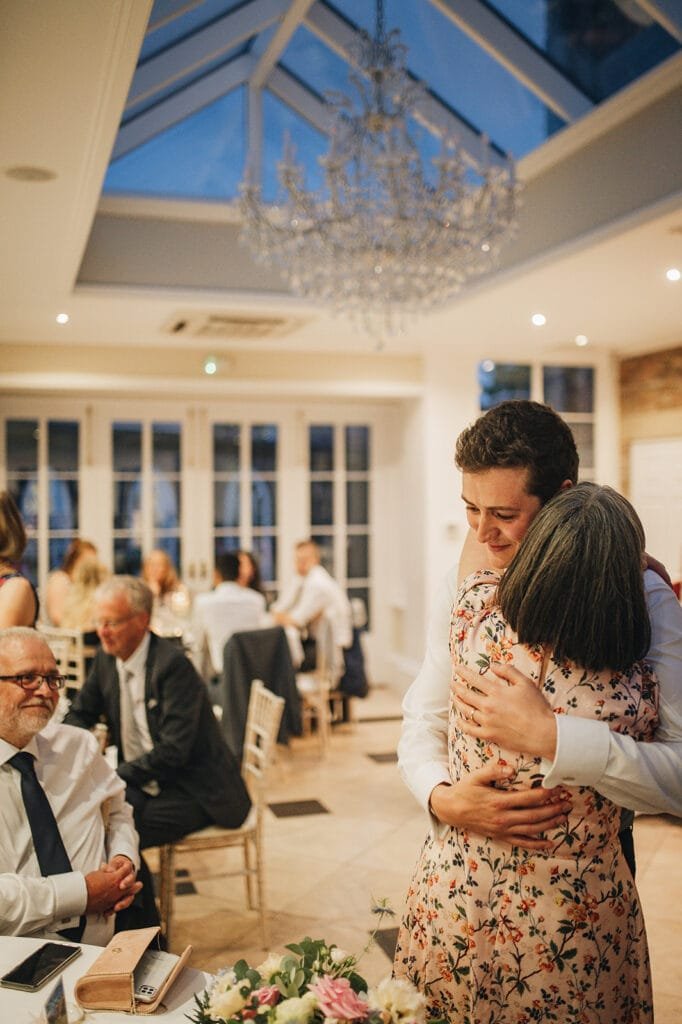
(627,845)
(164,818)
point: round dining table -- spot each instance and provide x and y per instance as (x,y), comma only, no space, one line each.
(17,1007)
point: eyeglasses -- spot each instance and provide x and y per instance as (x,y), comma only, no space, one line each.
(114,623)
(34,680)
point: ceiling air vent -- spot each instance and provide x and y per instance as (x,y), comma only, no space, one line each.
(230,326)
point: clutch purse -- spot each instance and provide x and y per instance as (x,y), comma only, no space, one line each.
(109,983)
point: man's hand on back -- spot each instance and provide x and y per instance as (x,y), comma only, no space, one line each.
(516,816)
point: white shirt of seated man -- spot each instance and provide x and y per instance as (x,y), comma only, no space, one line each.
(230,608)
(87,799)
(312,594)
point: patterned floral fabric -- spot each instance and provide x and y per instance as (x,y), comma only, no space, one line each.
(494,934)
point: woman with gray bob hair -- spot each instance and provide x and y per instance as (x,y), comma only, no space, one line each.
(576,584)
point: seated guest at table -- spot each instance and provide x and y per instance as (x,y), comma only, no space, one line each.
(18,598)
(311,594)
(179,774)
(230,608)
(171,596)
(249,572)
(79,606)
(68,848)
(60,581)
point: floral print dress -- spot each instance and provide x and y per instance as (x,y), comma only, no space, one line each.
(494,934)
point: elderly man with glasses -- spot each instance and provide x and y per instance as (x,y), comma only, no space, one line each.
(68,848)
(179,774)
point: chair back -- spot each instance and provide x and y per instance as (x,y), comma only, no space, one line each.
(260,736)
(67,648)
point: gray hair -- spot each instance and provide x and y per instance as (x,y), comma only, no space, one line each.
(19,632)
(138,594)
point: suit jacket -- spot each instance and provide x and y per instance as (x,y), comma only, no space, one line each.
(257,654)
(189,751)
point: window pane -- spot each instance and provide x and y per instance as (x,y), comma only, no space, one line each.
(357,502)
(171,545)
(357,559)
(127,556)
(265,550)
(224,544)
(62,446)
(264,503)
(127,438)
(226,503)
(25,493)
(127,505)
(321,502)
(166,447)
(321,449)
(264,448)
(63,505)
(326,545)
(29,563)
(22,446)
(569,388)
(225,447)
(498,382)
(57,550)
(166,504)
(357,448)
(584,442)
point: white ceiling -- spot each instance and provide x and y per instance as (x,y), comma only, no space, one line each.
(64,76)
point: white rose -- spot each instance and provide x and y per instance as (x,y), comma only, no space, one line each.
(270,966)
(225,1004)
(296,1010)
(400,999)
(337,956)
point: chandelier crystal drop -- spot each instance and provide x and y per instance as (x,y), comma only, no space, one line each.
(382,240)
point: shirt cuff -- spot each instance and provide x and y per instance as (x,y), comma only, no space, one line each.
(71,897)
(582,752)
(425,781)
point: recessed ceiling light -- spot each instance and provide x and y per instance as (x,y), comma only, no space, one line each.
(210,365)
(538,319)
(581,340)
(62,318)
(673,274)
(32,174)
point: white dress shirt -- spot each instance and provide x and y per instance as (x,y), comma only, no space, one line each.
(95,822)
(643,777)
(307,597)
(228,609)
(136,670)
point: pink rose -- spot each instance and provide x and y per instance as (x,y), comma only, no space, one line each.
(268,995)
(337,999)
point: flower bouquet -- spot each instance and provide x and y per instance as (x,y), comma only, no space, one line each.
(313,983)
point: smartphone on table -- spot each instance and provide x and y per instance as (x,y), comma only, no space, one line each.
(39,966)
(151,972)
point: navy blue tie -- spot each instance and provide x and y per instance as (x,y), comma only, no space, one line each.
(47,840)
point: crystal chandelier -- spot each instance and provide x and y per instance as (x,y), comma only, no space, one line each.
(382,240)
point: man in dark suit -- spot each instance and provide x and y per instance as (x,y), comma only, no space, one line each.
(179,774)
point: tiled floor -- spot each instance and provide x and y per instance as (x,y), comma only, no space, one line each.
(325,868)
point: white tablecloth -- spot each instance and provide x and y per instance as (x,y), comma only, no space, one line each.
(26,1007)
